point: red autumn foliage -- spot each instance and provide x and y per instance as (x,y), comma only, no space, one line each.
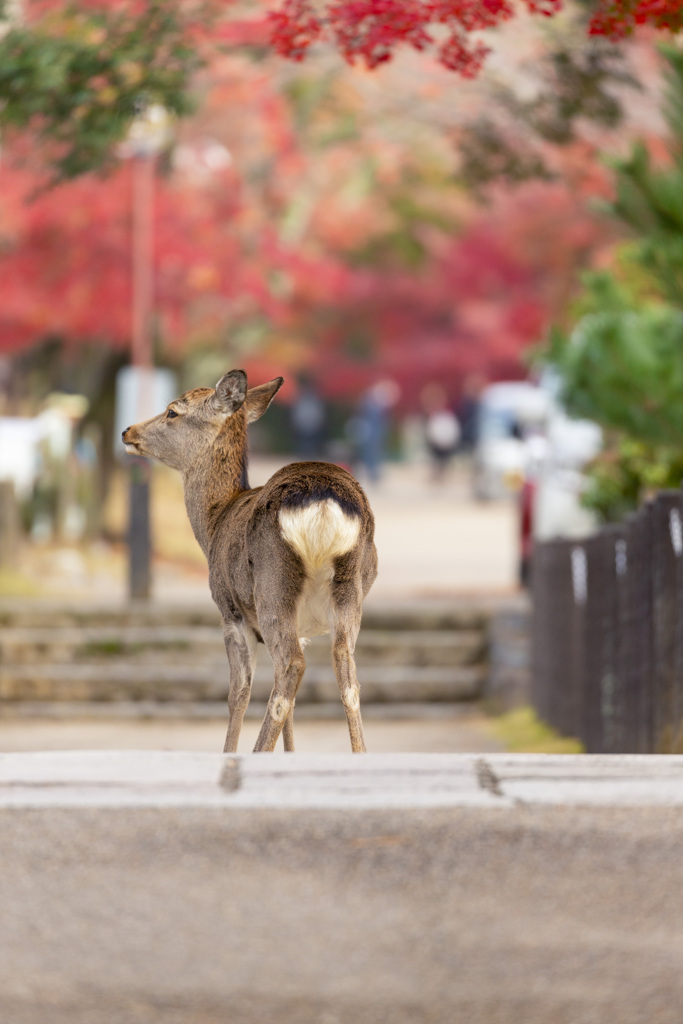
(476,306)
(223,258)
(618,18)
(372,30)
(66,266)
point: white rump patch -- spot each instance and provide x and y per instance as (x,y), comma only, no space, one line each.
(319,533)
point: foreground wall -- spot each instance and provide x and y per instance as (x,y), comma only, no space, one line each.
(200,889)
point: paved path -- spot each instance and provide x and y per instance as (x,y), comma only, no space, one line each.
(444,731)
(433,541)
(196,889)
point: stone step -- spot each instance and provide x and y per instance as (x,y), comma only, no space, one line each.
(204,644)
(423,615)
(163,653)
(137,710)
(159,682)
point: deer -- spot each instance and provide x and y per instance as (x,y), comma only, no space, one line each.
(287,561)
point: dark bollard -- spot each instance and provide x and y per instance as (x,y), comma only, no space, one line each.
(139,533)
(10,526)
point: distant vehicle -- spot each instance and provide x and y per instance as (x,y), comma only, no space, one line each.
(529,447)
(560,480)
(508,413)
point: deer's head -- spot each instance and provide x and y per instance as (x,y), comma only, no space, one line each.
(190,426)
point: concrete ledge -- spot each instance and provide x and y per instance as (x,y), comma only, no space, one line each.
(185,888)
(372,781)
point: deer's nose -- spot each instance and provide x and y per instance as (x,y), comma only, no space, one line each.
(123,435)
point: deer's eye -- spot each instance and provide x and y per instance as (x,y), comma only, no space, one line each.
(171,414)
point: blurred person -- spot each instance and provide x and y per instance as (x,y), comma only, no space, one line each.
(468,412)
(368,429)
(442,430)
(308,420)
(59,513)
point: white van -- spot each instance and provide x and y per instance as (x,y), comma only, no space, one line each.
(511,415)
(527,439)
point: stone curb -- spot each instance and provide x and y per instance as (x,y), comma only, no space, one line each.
(336,781)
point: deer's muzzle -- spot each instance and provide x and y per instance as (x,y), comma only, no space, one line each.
(129,441)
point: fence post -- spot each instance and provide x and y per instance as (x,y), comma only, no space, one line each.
(600,677)
(558,586)
(634,623)
(542,665)
(573,698)
(677,692)
(667,548)
(618,731)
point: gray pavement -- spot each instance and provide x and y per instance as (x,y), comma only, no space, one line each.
(194,889)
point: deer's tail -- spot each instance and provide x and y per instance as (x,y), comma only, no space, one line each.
(320,531)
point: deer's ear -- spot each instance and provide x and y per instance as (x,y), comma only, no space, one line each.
(258,399)
(231,391)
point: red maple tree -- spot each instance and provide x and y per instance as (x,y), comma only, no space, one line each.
(223,257)
(371,30)
(66,264)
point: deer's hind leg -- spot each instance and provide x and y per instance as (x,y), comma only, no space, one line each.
(240,647)
(345,616)
(288,732)
(281,638)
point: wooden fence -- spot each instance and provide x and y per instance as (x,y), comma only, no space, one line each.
(607,647)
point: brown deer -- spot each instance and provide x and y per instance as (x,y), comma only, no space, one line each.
(288,560)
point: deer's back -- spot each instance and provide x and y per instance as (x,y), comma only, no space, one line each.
(301,484)
(307,520)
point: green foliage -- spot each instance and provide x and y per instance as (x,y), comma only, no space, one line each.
(626,473)
(522,731)
(624,369)
(622,365)
(15,584)
(650,201)
(79,80)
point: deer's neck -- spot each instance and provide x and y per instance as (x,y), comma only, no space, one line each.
(215,480)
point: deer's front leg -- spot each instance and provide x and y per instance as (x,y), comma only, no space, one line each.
(240,646)
(288,659)
(345,621)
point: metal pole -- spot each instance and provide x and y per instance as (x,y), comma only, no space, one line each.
(139,532)
(143,200)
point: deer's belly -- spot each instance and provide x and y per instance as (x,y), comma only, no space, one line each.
(313,610)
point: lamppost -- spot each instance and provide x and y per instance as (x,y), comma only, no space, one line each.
(148,135)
